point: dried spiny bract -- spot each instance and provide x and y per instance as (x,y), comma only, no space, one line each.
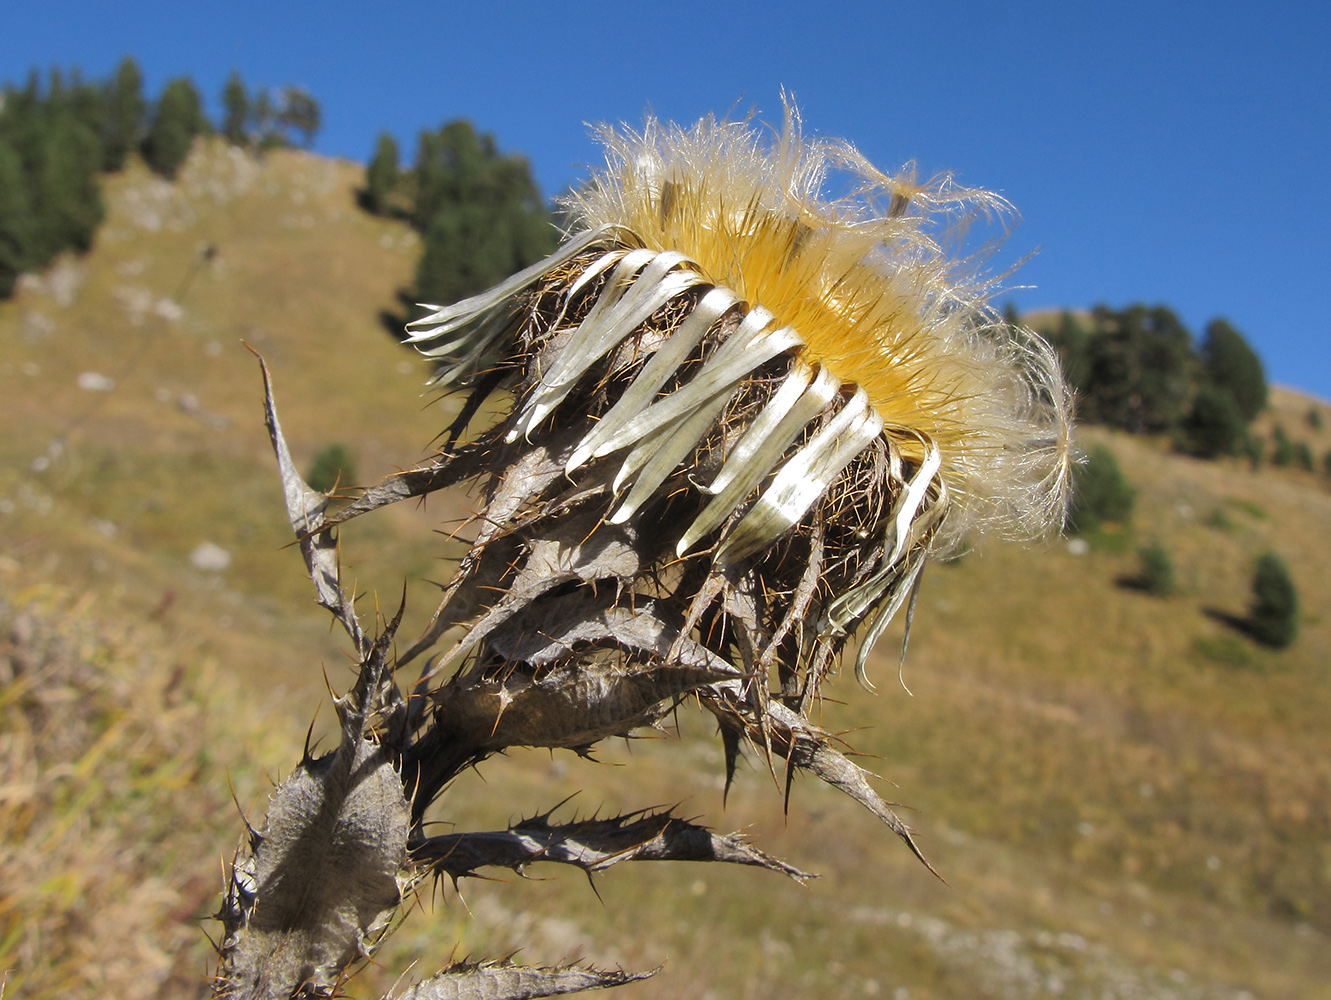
(787,401)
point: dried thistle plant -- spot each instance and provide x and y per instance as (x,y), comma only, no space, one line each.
(735,418)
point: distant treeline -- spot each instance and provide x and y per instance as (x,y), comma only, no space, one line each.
(1140,369)
(478,211)
(55,139)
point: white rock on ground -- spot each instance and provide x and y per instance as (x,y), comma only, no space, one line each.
(210,557)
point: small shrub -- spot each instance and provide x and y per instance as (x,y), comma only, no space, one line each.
(1157,570)
(1326,463)
(1303,456)
(1214,426)
(332,467)
(1314,417)
(1273,617)
(1254,449)
(1283,452)
(1101,493)
(1219,520)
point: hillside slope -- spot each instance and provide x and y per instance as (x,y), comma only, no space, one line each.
(1127,797)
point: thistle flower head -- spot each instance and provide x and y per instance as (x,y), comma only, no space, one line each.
(740,415)
(757,361)
(737,417)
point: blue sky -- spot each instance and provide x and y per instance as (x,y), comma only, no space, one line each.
(1173,153)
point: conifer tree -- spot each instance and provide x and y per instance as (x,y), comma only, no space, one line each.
(86,102)
(24,121)
(381,176)
(1282,453)
(52,147)
(1141,369)
(1303,456)
(69,202)
(125,109)
(1214,426)
(236,111)
(1071,339)
(1233,366)
(480,211)
(264,121)
(1273,617)
(1157,570)
(178,119)
(299,112)
(16,219)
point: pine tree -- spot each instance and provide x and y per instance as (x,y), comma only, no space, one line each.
(446,162)
(381,176)
(125,110)
(1157,570)
(86,103)
(1234,366)
(333,468)
(264,120)
(51,202)
(16,219)
(1273,617)
(236,113)
(178,119)
(68,203)
(480,211)
(1303,455)
(1071,338)
(1140,369)
(24,123)
(299,112)
(1282,454)
(1214,426)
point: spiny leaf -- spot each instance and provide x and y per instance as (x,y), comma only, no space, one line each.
(305,509)
(505,981)
(594,845)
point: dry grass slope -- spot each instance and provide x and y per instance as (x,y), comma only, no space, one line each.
(113,803)
(1128,797)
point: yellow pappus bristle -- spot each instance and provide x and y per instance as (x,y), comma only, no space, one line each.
(865,281)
